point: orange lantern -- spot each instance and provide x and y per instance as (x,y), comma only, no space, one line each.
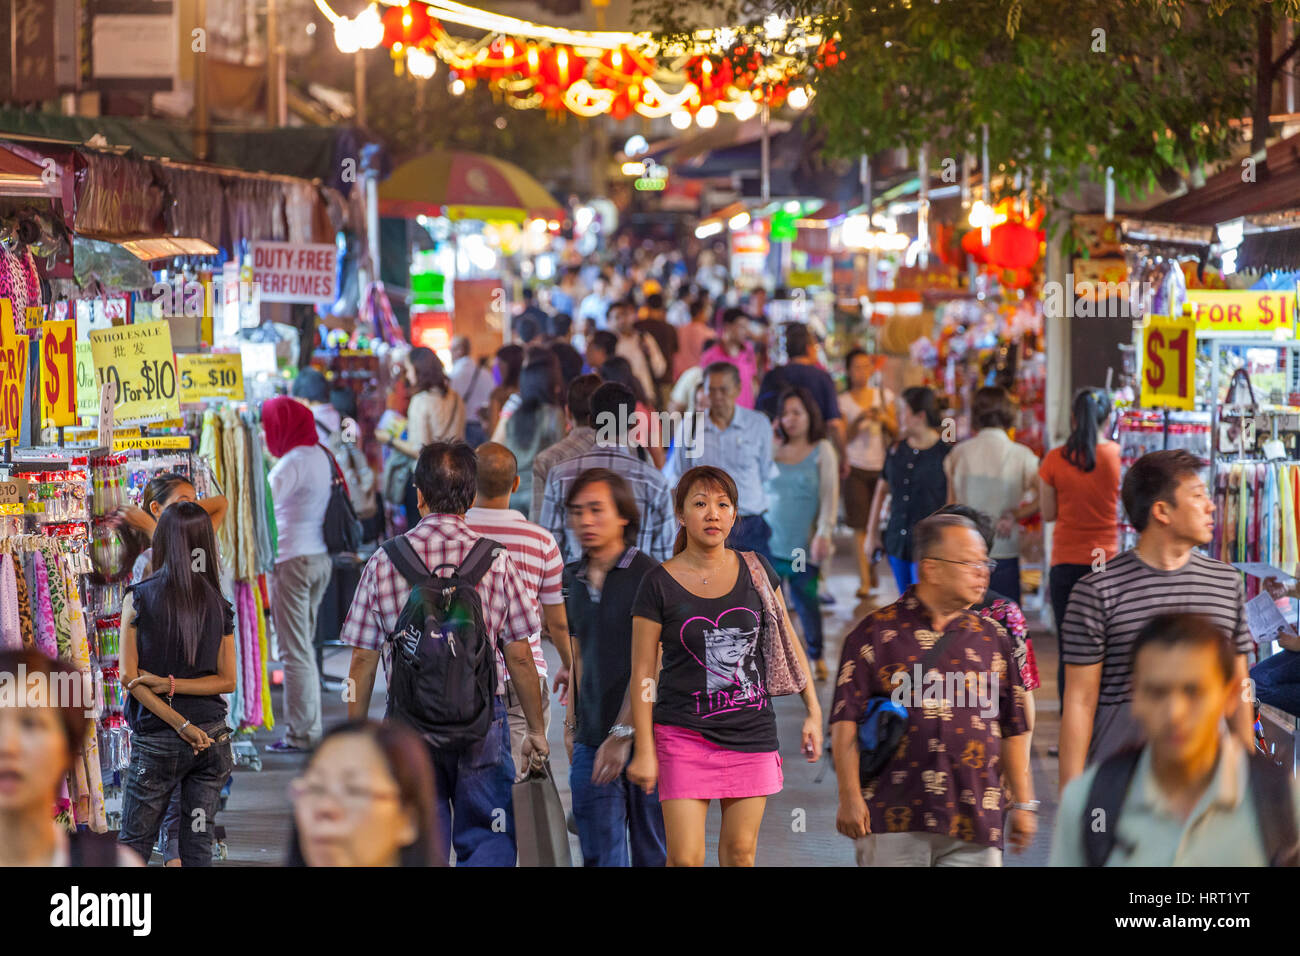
(408,25)
(1013,245)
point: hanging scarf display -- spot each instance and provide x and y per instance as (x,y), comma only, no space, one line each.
(46,642)
(11,638)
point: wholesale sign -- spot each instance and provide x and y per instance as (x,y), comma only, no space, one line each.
(211,376)
(138,360)
(296,272)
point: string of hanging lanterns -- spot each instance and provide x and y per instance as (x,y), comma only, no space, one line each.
(735,71)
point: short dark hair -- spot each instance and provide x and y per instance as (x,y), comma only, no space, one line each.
(446,474)
(605,340)
(527,328)
(619,305)
(983,523)
(613,399)
(311,386)
(733,315)
(922,399)
(797,339)
(561,324)
(1155,477)
(723,368)
(619,490)
(579,397)
(991,408)
(72,713)
(928,532)
(654,301)
(816,421)
(1193,629)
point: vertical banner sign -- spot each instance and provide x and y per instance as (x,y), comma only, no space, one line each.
(13,373)
(87,387)
(59,373)
(1169,363)
(138,360)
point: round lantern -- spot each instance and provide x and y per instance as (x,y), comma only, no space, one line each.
(973,245)
(408,25)
(1013,245)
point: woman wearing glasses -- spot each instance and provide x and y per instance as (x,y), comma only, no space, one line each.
(365,798)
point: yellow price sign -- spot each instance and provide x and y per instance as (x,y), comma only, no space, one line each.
(1169,363)
(211,376)
(59,373)
(87,390)
(152,443)
(35,318)
(13,373)
(138,360)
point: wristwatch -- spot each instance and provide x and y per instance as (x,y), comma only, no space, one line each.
(622,731)
(1029,806)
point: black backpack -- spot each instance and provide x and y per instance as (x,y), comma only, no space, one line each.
(443,678)
(1270,788)
(342,527)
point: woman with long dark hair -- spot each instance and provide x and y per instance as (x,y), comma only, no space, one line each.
(536,424)
(709,732)
(164,490)
(366,798)
(436,413)
(1078,488)
(914,479)
(178,658)
(40,738)
(508,367)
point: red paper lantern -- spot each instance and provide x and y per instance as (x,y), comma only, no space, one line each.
(972,243)
(408,25)
(711,77)
(1013,245)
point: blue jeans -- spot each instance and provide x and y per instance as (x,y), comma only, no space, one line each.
(476,812)
(1277,681)
(750,533)
(803,587)
(612,816)
(170,834)
(161,763)
(904,572)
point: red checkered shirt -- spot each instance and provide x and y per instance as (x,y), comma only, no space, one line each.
(508,611)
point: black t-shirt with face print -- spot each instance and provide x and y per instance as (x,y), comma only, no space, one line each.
(714,676)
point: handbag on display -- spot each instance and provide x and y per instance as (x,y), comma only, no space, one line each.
(785,673)
(1237,424)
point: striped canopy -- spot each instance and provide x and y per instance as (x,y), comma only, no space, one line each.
(463,185)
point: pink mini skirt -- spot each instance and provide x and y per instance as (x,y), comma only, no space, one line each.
(692,767)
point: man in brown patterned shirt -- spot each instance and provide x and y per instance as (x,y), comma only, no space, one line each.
(939,800)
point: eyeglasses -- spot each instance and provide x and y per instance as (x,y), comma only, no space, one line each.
(990,565)
(350,795)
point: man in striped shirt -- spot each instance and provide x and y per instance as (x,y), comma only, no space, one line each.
(537,557)
(613,410)
(1167,502)
(580,439)
(473,785)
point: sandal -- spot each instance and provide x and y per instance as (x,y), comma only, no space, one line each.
(283,747)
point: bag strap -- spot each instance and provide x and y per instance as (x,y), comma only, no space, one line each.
(758,577)
(334,465)
(408,564)
(478,561)
(935,654)
(1109,787)
(1275,808)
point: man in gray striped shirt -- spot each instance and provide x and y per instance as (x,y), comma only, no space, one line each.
(1168,503)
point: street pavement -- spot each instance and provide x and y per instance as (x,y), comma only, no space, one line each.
(799,825)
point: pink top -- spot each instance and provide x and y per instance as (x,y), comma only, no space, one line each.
(746,361)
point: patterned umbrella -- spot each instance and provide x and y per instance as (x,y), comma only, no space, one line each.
(463,185)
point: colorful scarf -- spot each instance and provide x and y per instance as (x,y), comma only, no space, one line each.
(11,638)
(46,642)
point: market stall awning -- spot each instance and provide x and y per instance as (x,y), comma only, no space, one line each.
(1226,195)
(22,177)
(462,185)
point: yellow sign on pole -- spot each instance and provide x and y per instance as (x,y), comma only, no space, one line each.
(1169,363)
(138,360)
(87,390)
(211,376)
(13,373)
(59,373)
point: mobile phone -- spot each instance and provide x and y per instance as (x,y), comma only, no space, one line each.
(221,736)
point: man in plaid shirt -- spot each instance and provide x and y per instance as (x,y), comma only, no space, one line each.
(474,784)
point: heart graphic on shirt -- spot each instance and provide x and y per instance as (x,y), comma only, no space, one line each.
(730,648)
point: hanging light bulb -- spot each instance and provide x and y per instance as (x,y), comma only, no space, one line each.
(707,117)
(370,27)
(680,119)
(745,109)
(346,35)
(420,64)
(797,98)
(456,86)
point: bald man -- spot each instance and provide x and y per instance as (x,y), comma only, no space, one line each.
(537,556)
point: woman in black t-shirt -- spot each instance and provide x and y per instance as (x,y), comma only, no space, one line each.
(711,734)
(178,658)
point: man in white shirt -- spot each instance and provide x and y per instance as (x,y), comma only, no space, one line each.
(469,379)
(537,558)
(595,305)
(639,348)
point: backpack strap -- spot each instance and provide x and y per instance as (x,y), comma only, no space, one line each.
(1107,793)
(409,564)
(1275,807)
(478,561)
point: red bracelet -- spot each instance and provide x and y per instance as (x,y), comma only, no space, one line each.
(172,691)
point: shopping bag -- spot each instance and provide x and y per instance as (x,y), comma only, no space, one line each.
(541,832)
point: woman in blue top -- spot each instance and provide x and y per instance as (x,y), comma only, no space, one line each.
(802,503)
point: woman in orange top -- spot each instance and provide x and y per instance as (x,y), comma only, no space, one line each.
(1079,490)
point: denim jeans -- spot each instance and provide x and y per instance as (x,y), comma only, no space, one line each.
(803,587)
(750,533)
(1277,681)
(169,836)
(612,816)
(473,790)
(904,573)
(161,763)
